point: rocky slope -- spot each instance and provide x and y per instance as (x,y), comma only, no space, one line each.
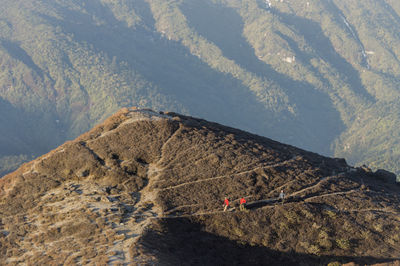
(147,188)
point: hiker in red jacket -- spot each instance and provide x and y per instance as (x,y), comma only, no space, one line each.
(226,204)
(242,202)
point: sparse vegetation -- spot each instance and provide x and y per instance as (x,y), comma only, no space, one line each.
(324,240)
(154,183)
(343,243)
(378,227)
(330,213)
(322,76)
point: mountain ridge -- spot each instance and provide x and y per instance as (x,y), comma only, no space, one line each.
(320,76)
(137,186)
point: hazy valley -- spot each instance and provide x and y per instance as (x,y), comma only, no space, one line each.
(320,75)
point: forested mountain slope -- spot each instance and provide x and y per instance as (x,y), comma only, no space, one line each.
(321,75)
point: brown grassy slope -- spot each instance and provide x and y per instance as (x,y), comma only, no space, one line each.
(72,197)
(330,210)
(89,156)
(139,186)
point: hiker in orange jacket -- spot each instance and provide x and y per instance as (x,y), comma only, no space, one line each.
(226,204)
(242,203)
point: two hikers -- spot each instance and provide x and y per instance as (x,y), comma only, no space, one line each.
(242,204)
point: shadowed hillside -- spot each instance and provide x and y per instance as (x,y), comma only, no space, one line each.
(147,187)
(319,75)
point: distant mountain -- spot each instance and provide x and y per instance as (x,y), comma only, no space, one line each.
(147,188)
(321,75)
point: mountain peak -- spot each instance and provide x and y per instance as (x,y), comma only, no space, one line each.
(137,186)
(134,114)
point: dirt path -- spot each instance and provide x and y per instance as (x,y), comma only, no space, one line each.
(314,185)
(330,194)
(227,175)
(138,220)
(145,209)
